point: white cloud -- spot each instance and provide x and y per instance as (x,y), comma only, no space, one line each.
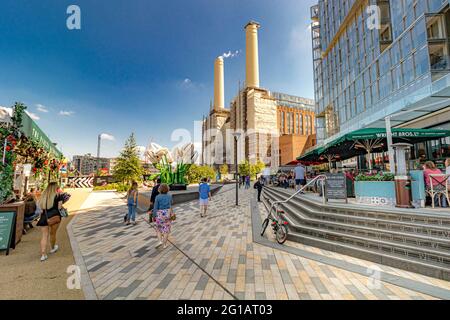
(33,116)
(230,54)
(41,108)
(66,113)
(188,83)
(106,136)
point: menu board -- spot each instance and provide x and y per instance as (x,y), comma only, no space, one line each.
(6,229)
(335,186)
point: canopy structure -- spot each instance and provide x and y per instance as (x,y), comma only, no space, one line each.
(31,130)
(366,141)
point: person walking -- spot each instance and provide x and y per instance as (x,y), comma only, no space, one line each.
(259,186)
(50,203)
(204,191)
(155,193)
(247,182)
(132,201)
(300,179)
(163,215)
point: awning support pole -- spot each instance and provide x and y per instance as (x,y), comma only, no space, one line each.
(390,142)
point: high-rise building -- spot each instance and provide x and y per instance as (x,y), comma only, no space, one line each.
(275,127)
(380,58)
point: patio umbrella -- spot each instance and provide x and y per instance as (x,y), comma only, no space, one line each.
(367,141)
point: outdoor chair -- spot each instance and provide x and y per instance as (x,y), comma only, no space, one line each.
(438,188)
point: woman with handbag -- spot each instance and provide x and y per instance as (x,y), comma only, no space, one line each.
(163,215)
(50,203)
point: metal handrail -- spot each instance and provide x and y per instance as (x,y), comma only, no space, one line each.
(320,177)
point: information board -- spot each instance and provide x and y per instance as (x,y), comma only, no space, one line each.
(335,186)
(7,227)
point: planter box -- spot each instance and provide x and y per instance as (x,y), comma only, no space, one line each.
(375,192)
(19,208)
(178,187)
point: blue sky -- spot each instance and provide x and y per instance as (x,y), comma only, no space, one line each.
(141,66)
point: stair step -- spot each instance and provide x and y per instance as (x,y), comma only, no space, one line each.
(383,258)
(439,219)
(298,215)
(430,229)
(416,258)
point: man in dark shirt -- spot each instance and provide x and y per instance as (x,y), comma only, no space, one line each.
(155,192)
(258,186)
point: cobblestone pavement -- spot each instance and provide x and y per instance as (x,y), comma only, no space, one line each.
(216,258)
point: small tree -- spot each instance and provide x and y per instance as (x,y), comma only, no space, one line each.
(223,169)
(128,166)
(245,168)
(196,173)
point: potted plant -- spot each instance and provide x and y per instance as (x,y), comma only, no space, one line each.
(376,189)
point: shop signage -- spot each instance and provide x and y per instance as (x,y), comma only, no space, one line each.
(7,229)
(335,186)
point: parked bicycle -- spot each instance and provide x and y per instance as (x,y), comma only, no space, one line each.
(279,227)
(278,223)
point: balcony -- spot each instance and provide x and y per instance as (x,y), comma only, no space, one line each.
(315,12)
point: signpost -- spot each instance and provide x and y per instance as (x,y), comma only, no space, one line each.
(336,187)
(7,230)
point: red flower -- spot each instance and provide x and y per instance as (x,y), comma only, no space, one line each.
(8,148)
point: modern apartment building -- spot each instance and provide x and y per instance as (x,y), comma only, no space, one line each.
(379,58)
(87,164)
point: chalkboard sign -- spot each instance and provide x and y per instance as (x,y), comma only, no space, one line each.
(336,187)
(7,227)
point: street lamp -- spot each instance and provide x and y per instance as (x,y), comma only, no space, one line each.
(236,136)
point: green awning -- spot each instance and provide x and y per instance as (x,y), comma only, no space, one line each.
(32,131)
(343,146)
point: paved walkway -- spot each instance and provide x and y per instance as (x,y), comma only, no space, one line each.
(220,257)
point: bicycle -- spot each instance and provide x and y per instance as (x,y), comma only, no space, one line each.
(279,227)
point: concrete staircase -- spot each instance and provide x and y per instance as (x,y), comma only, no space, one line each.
(413,241)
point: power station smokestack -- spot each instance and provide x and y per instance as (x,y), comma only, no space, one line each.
(252,55)
(219,95)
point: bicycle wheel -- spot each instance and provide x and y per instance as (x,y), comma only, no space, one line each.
(281,234)
(264,226)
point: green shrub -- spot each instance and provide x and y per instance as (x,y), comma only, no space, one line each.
(376,177)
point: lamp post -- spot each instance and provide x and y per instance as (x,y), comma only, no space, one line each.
(236,136)
(98,153)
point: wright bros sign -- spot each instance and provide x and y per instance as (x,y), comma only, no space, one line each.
(7,227)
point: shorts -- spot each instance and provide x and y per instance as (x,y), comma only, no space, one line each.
(204,202)
(300,182)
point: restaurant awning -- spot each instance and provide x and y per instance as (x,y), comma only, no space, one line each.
(350,145)
(31,130)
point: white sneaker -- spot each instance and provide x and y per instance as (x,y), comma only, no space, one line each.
(43,258)
(159,245)
(55,248)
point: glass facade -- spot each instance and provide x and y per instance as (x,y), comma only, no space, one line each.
(365,71)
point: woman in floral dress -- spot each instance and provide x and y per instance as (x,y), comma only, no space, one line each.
(163,215)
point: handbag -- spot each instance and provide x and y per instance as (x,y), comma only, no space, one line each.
(173,217)
(63,213)
(54,216)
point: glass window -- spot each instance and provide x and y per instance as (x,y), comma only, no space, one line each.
(408,70)
(300,124)
(396,53)
(397,78)
(419,34)
(406,44)
(421,62)
(385,85)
